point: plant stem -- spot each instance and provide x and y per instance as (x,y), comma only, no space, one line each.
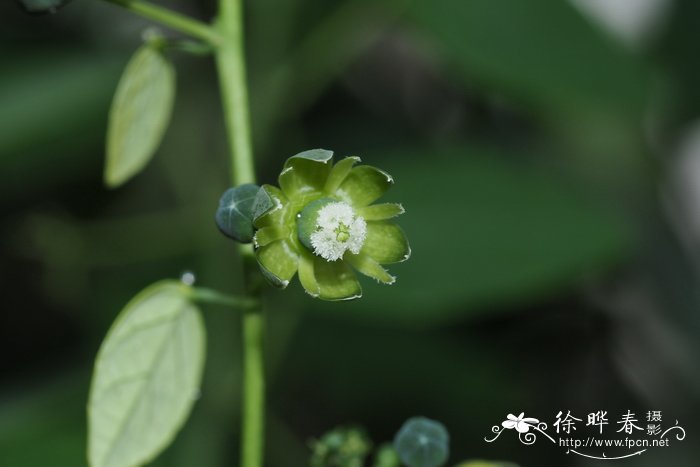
(227,37)
(232,72)
(173,20)
(214,297)
(230,59)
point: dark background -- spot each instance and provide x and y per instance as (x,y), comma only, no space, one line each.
(548,156)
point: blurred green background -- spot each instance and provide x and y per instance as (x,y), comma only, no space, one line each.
(548,156)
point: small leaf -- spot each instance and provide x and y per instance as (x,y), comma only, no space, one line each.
(139,115)
(41,7)
(147,376)
(234,217)
(422,442)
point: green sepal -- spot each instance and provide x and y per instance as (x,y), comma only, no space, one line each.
(370,268)
(270,234)
(268,206)
(386,243)
(306,172)
(364,185)
(381,212)
(234,216)
(306,275)
(338,173)
(336,280)
(278,262)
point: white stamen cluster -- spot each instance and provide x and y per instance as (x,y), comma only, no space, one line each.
(338,229)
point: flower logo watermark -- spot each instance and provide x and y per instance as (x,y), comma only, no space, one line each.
(589,442)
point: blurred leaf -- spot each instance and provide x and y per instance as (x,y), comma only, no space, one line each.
(484,233)
(147,377)
(46,413)
(542,51)
(140,114)
(54,106)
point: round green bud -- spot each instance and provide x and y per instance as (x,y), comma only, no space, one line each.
(422,442)
(234,216)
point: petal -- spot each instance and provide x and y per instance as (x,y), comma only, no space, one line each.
(306,172)
(522,427)
(386,243)
(306,275)
(512,417)
(278,261)
(338,174)
(532,421)
(370,268)
(508,424)
(336,280)
(381,212)
(267,235)
(364,185)
(268,209)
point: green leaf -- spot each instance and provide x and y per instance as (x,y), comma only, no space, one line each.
(139,115)
(147,376)
(234,216)
(422,442)
(542,52)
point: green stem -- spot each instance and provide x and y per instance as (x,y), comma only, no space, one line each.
(230,60)
(173,20)
(232,73)
(227,37)
(214,297)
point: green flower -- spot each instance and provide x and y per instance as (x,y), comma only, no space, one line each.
(322,224)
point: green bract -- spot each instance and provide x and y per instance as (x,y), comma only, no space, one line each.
(322,224)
